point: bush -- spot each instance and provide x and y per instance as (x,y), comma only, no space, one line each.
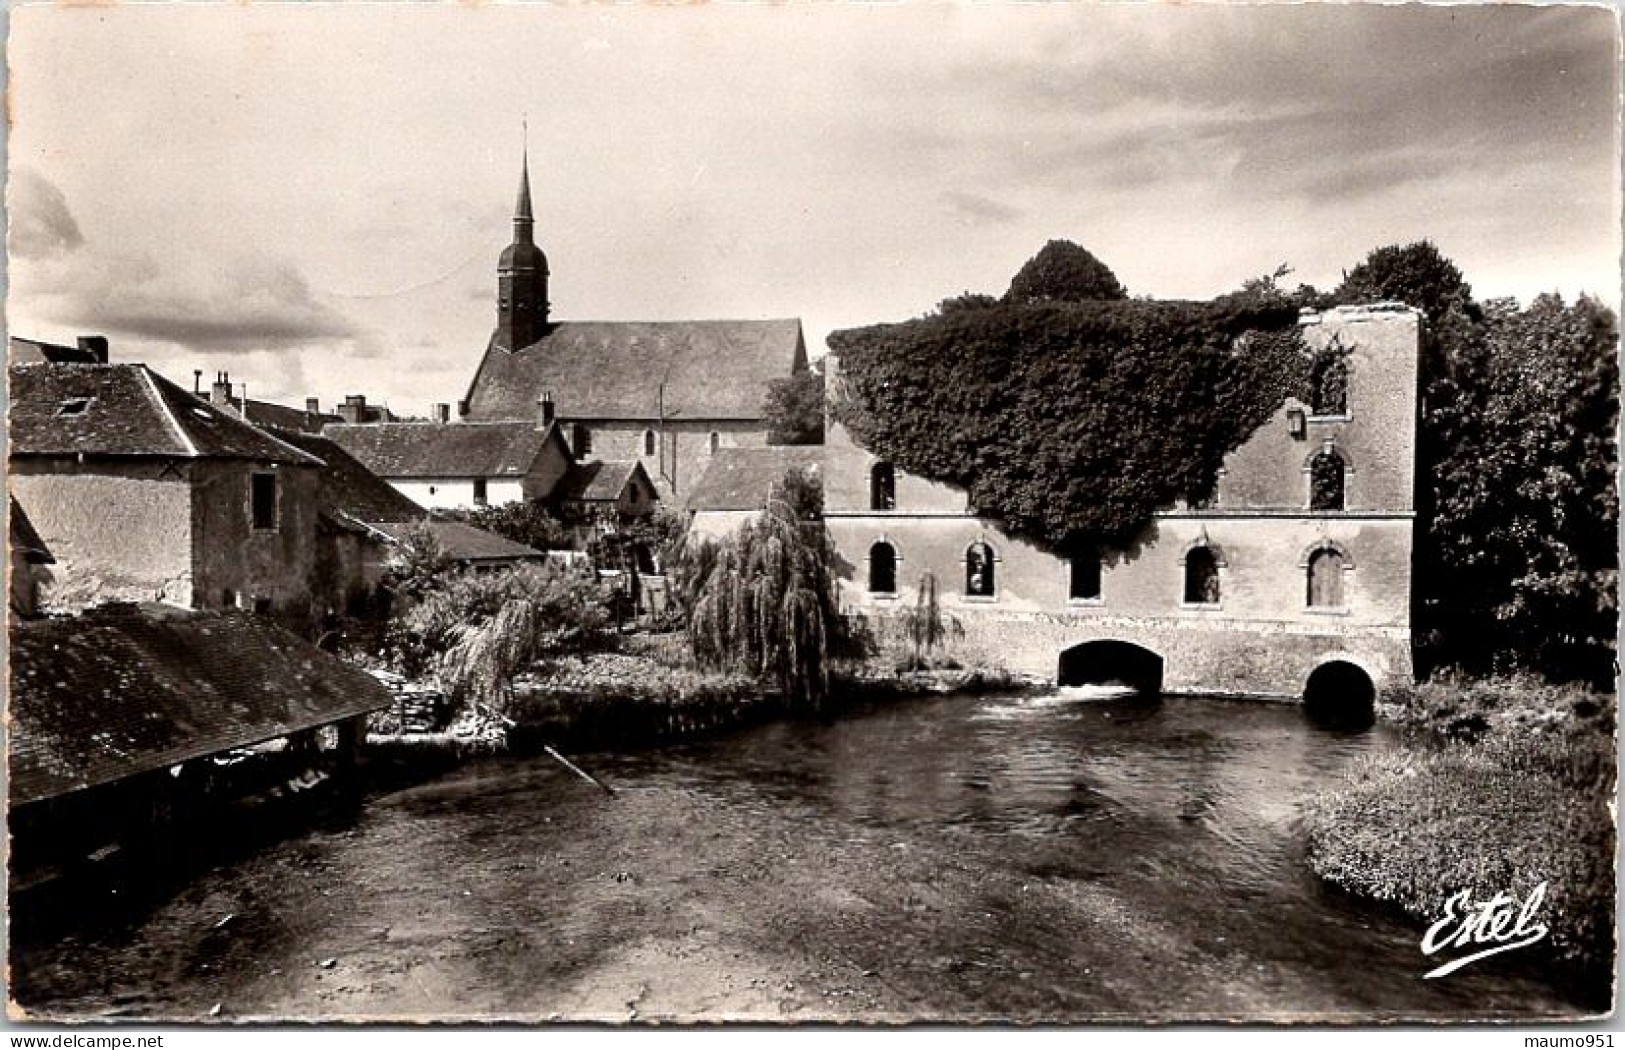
(1526,802)
(572,610)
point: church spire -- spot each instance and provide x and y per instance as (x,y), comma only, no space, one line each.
(521,208)
(522,306)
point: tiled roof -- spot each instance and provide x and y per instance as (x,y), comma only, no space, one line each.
(465,543)
(123,690)
(739,478)
(616,370)
(599,480)
(272,415)
(36,351)
(348,488)
(25,539)
(443,450)
(127,410)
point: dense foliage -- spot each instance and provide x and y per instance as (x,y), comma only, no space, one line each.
(1072,422)
(1517,563)
(530,522)
(1525,800)
(794,409)
(569,610)
(763,602)
(1062,272)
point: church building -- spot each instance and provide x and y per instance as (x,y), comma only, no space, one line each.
(667,394)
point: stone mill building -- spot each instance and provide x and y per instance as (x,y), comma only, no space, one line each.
(1295,579)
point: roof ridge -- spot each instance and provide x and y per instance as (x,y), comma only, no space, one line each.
(168,413)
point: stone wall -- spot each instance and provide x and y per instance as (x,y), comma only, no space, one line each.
(237,564)
(120,530)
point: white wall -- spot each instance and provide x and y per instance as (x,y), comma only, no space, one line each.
(457,493)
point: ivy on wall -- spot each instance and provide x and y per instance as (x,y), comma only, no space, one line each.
(1072,422)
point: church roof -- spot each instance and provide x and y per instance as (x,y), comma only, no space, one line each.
(444,450)
(616,370)
(128,410)
(740,478)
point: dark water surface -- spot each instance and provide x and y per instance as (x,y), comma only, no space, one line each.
(1045,858)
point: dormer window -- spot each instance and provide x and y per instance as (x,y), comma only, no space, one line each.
(73,406)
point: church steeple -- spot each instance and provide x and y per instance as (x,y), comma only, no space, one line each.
(522,305)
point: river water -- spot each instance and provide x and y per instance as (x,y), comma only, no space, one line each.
(1039,858)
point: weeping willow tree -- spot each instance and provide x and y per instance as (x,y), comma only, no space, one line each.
(765,604)
(481,665)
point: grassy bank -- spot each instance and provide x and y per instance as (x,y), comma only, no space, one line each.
(1500,786)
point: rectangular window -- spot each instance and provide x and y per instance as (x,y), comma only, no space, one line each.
(1085,582)
(263,501)
(480,497)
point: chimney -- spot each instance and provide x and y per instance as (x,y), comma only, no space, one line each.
(220,392)
(442,413)
(313,406)
(97,345)
(354,409)
(545,406)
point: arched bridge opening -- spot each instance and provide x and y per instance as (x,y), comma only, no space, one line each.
(1340,695)
(1111,663)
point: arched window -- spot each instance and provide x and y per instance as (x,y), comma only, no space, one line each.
(649,443)
(882,568)
(1326,474)
(1329,381)
(716,442)
(1085,583)
(582,441)
(1201,577)
(882,487)
(979,568)
(1326,579)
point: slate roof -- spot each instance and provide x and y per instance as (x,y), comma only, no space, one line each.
(269,414)
(26,540)
(599,480)
(615,370)
(348,489)
(35,351)
(443,450)
(739,478)
(465,543)
(123,690)
(128,410)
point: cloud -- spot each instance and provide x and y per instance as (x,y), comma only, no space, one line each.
(979,209)
(41,224)
(237,300)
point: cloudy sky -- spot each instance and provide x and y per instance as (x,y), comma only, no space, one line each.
(313,198)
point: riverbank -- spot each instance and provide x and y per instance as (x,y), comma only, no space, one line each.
(1499,786)
(648,692)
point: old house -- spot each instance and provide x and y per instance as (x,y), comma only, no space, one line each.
(668,394)
(462,465)
(128,717)
(739,482)
(147,493)
(1295,578)
(29,557)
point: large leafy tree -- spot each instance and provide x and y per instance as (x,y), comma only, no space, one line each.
(1062,272)
(1517,508)
(794,409)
